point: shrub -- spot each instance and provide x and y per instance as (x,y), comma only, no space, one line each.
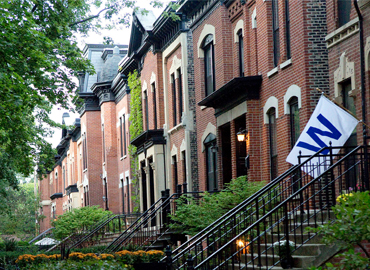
(77,220)
(10,245)
(191,216)
(350,229)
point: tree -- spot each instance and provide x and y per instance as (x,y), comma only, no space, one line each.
(17,212)
(39,58)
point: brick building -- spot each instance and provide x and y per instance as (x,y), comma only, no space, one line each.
(224,68)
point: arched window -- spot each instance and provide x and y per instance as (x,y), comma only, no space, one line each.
(273,143)
(210,145)
(294,120)
(241,53)
(209,65)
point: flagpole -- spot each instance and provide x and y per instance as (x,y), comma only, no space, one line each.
(344,108)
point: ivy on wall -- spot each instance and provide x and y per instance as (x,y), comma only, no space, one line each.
(136,128)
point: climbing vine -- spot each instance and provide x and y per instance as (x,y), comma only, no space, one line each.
(136,128)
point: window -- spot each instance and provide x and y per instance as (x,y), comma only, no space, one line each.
(273,143)
(124,136)
(211,162)
(344,12)
(64,179)
(174,111)
(209,65)
(121,135)
(294,121)
(123,195)
(103,143)
(287,29)
(241,53)
(84,151)
(275,28)
(183,155)
(180,94)
(128,194)
(349,104)
(86,196)
(154,105)
(175,174)
(146,110)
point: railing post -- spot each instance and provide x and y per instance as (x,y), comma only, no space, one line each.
(178,190)
(286,229)
(185,188)
(168,258)
(190,262)
(333,196)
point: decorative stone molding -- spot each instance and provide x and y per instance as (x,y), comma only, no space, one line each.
(183,145)
(146,169)
(254,18)
(367,54)
(346,70)
(152,165)
(293,91)
(209,129)
(174,153)
(144,86)
(152,78)
(239,25)
(207,29)
(272,102)
(176,64)
(342,33)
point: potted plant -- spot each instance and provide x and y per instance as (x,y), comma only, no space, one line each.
(283,249)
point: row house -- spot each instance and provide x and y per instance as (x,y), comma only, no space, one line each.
(225,68)
(226,90)
(92,166)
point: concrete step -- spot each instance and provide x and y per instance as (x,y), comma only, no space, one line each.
(269,260)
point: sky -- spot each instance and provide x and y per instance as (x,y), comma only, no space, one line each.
(119,36)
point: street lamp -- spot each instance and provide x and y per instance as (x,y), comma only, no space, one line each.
(241,135)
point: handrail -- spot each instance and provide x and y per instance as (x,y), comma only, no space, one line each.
(95,230)
(210,229)
(115,241)
(310,193)
(144,220)
(40,235)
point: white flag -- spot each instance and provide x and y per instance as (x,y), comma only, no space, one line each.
(328,123)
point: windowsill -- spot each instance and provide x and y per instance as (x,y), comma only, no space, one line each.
(272,72)
(122,158)
(286,63)
(172,130)
(203,107)
(84,170)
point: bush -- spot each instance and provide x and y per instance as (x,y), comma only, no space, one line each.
(10,245)
(350,229)
(9,257)
(191,216)
(77,220)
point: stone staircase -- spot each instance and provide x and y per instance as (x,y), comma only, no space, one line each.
(311,253)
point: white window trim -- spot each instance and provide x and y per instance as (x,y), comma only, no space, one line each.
(293,91)
(272,102)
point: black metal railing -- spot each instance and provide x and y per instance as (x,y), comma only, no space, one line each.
(112,225)
(44,234)
(246,235)
(154,224)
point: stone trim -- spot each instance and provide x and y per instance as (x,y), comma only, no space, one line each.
(207,29)
(272,102)
(239,25)
(209,129)
(367,54)
(293,91)
(346,70)
(347,30)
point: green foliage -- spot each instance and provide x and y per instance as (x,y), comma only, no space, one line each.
(39,60)
(17,211)
(191,217)
(350,229)
(10,245)
(76,220)
(136,128)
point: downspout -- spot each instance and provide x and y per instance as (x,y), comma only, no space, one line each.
(363,92)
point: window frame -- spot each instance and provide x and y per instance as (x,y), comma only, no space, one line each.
(275,32)
(208,45)
(272,130)
(241,53)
